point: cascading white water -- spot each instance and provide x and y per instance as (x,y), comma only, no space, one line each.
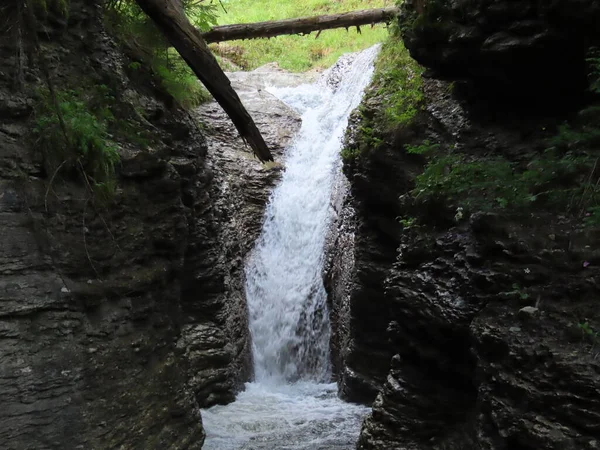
(291,405)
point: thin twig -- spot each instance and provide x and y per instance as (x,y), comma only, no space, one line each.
(588,184)
(50,183)
(91,190)
(87,253)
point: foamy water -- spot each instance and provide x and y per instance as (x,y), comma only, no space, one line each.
(292,404)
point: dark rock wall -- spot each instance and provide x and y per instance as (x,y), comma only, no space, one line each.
(118,321)
(476,364)
(507,48)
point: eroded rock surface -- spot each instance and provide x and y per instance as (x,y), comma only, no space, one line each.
(120,319)
(517,49)
(469,330)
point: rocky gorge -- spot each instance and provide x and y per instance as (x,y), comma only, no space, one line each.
(122,318)
(465,319)
(466,326)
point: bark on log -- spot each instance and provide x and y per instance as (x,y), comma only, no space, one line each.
(302,25)
(172,21)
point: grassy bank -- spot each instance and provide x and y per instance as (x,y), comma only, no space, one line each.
(296,53)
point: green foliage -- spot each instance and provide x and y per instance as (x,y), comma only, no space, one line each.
(553,180)
(181,83)
(397,87)
(408,222)
(398,80)
(425,148)
(86,144)
(349,153)
(138,33)
(296,53)
(588,333)
(475,184)
(564,178)
(593,60)
(520,292)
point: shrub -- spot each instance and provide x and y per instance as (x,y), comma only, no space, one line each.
(86,145)
(151,51)
(564,178)
(559,182)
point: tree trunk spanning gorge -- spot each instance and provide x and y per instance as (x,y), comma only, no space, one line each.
(302,25)
(188,41)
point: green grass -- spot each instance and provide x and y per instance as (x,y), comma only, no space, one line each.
(297,53)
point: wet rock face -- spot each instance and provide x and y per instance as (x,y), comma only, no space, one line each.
(518,49)
(239,192)
(364,250)
(481,317)
(481,364)
(119,321)
(90,306)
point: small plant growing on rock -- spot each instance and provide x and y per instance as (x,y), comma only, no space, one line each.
(425,148)
(588,333)
(517,290)
(74,138)
(408,222)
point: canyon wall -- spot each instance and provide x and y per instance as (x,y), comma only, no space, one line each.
(464,323)
(122,316)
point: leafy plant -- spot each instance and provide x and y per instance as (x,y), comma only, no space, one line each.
(556,181)
(589,333)
(478,184)
(181,84)
(408,222)
(79,141)
(397,87)
(593,60)
(517,290)
(139,34)
(425,148)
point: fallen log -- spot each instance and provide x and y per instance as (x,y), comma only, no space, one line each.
(302,25)
(169,17)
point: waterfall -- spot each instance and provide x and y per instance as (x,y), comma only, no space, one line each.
(291,397)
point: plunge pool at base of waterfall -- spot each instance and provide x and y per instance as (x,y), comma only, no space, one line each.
(298,416)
